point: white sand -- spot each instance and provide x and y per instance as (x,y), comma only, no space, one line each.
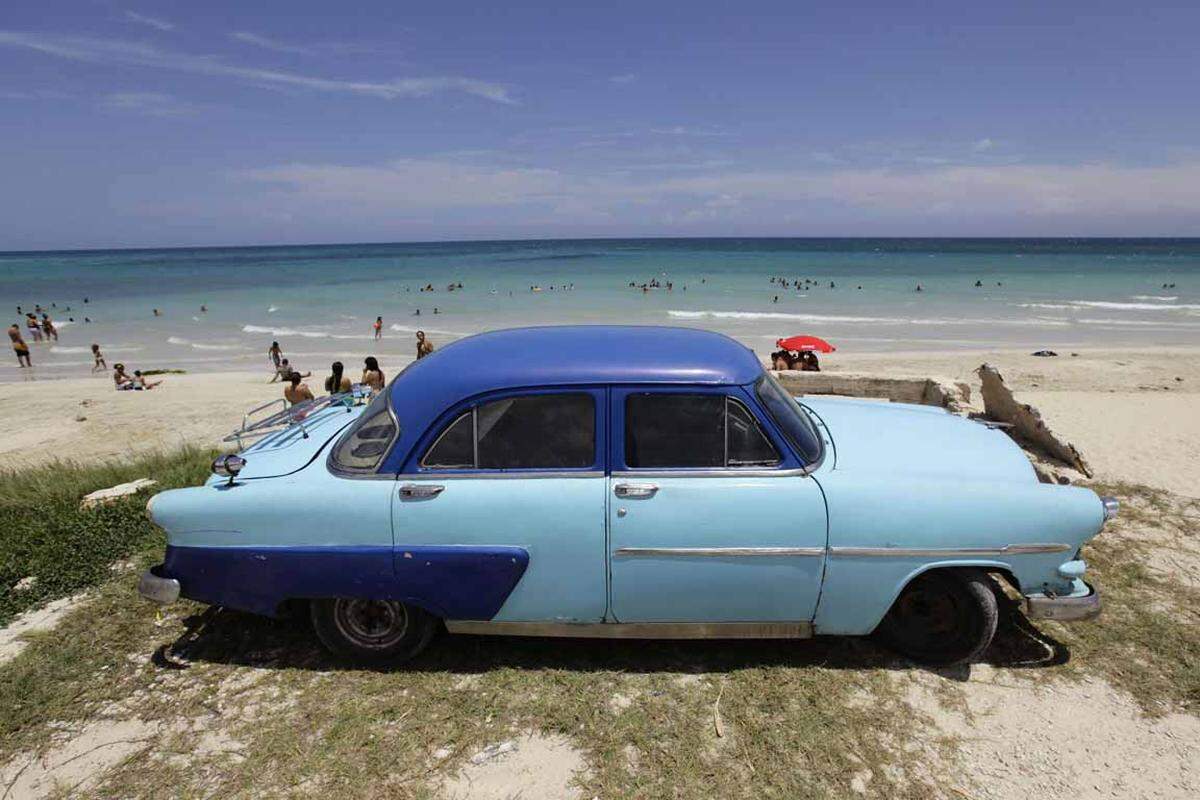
(1125,410)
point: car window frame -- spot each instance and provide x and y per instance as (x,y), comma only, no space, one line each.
(339,469)
(597,394)
(787,463)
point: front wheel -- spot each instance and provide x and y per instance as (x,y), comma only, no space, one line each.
(943,617)
(372,630)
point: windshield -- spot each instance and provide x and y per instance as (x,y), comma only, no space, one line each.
(790,417)
(363,446)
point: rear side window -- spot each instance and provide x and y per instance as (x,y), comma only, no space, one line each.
(363,446)
(548,431)
(693,430)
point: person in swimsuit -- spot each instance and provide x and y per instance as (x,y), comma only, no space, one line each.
(275,353)
(35,330)
(19,346)
(100,363)
(48,328)
(424,346)
(372,375)
(121,380)
(378,326)
(140,382)
(296,392)
(337,383)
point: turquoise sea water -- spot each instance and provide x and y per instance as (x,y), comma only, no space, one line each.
(319,301)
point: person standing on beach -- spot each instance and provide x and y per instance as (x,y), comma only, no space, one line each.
(19,346)
(378,326)
(424,346)
(100,363)
(35,330)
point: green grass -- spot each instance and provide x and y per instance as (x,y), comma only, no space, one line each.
(44,534)
(1147,640)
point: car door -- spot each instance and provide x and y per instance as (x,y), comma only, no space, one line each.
(518,469)
(711,517)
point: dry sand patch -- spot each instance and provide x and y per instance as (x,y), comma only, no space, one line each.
(534,766)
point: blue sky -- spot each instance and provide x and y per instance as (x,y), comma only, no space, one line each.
(156,123)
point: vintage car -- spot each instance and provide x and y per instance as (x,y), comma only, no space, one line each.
(613,481)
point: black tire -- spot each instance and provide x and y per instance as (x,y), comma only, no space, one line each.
(374,631)
(943,617)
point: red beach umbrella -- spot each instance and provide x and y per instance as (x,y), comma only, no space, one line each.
(802,343)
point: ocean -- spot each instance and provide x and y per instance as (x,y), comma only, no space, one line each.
(319,302)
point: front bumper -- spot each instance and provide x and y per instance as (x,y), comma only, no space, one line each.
(1070,608)
(157,588)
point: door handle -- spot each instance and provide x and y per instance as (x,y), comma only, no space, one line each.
(636,491)
(420,491)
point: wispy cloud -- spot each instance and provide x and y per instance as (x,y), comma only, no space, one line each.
(628,77)
(33,94)
(149,104)
(983,145)
(684,130)
(274,45)
(108,51)
(1103,197)
(153,22)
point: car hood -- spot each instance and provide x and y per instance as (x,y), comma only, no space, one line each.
(294,447)
(912,440)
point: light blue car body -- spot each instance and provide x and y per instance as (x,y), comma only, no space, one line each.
(898,490)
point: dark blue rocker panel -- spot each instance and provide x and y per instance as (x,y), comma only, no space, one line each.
(467,583)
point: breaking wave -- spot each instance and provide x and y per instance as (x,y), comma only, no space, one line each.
(200,346)
(1155,297)
(781,315)
(1133,306)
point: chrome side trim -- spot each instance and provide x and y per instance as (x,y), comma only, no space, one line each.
(495,475)
(732,472)
(638,630)
(721,552)
(948,552)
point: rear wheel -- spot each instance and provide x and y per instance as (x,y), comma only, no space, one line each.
(943,617)
(372,630)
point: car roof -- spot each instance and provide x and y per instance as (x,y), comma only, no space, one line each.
(569,355)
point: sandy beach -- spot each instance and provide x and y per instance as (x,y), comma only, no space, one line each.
(1133,413)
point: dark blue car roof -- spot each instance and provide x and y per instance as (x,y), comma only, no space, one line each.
(571,355)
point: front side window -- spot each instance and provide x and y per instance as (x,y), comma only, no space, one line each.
(363,446)
(693,430)
(547,431)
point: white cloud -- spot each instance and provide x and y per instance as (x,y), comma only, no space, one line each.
(1096,198)
(150,104)
(683,130)
(628,77)
(269,44)
(106,51)
(153,22)
(983,145)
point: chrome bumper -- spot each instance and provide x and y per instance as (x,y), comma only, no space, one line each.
(160,590)
(1064,609)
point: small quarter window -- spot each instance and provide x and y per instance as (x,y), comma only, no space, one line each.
(363,446)
(693,431)
(548,431)
(455,448)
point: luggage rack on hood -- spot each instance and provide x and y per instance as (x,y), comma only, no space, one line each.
(287,416)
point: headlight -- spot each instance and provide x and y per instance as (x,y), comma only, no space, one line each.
(1112,507)
(228,466)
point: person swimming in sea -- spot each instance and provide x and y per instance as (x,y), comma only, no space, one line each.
(18,345)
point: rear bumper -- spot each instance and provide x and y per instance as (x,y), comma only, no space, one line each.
(1073,608)
(161,590)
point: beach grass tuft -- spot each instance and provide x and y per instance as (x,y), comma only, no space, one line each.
(50,547)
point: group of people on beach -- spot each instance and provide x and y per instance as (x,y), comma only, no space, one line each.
(805,361)
(373,379)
